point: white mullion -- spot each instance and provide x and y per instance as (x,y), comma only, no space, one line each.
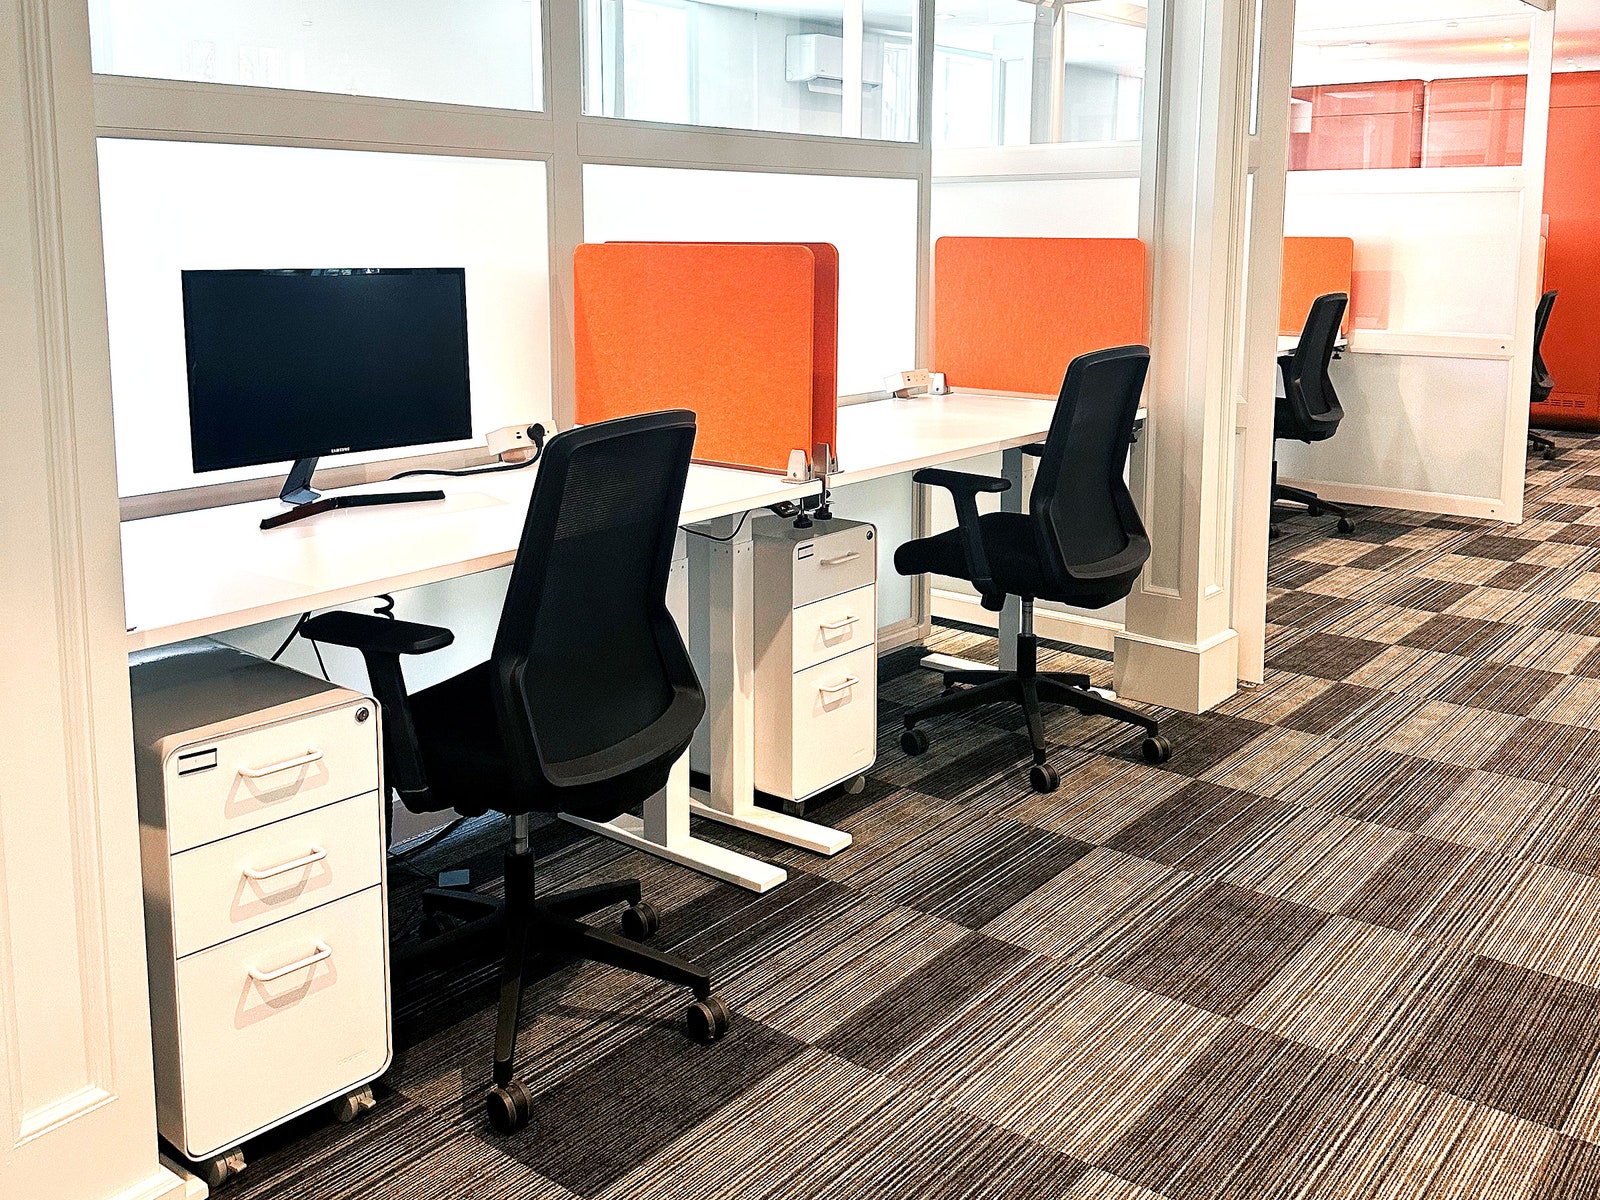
(176,110)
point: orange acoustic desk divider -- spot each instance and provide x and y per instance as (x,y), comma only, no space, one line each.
(1312,267)
(1009,314)
(744,334)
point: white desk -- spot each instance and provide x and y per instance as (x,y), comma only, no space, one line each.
(205,572)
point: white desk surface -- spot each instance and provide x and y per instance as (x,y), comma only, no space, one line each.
(196,573)
(888,437)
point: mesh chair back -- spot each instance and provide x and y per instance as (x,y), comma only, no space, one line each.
(1086,525)
(1543,384)
(1312,401)
(592,679)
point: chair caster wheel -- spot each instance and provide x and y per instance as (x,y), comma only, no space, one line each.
(1313,510)
(856,786)
(1346,525)
(217,1171)
(1156,749)
(350,1107)
(1549,455)
(510,1106)
(640,921)
(914,742)
(1044,777)
(708,1019)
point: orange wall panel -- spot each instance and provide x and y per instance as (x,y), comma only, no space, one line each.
(725,330)
(1572,255)
(1009,314)
(1312,267)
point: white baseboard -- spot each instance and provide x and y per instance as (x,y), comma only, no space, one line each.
(1071,629)
(1365,496)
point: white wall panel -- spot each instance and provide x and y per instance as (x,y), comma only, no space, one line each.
(171,206)
(873,222)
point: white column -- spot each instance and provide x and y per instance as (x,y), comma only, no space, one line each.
(77,1105)
(1180,649)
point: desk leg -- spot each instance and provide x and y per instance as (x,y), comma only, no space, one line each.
(727,569)
(1010,616)
(664,831)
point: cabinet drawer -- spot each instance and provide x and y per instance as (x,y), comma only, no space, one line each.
(226,888)
(244,780)
(835,563)
(835,721)
(835,626)
(279,1020)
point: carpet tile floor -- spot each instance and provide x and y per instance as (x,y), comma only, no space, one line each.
(1345,944)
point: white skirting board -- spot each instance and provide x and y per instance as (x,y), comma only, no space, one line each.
(1365,496)
(1053,626)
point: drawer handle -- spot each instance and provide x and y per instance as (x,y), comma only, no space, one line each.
(838,560)
(843,685)
(316,855)
(841,623)
(321,954)
(288,764)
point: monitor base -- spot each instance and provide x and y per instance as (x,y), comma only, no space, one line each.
(328,503)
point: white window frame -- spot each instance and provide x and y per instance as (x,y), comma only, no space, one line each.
(559,135)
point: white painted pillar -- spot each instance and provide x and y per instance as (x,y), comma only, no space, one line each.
(1180,648)
(77,1103)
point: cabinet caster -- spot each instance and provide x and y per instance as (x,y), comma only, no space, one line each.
(217,1171)
(640,921)
(914,742)
(510,1107)
(856,786)
(349,1108)
(1044,777)
(1156,749)
(708,1019)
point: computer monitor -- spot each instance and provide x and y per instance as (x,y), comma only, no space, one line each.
(290,365)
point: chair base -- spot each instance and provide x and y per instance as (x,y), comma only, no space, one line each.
(455,919)
(1314,504)
(1545,446)
(1030,688)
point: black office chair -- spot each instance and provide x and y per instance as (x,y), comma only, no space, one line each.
(1081,542)
(586,702)
(1309,410)
(1543,384)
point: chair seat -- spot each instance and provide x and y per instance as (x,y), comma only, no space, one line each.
(1008,543)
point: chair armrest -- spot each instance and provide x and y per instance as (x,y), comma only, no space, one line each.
(382,641)
(957,482)
(381,635)
(1033,449)
(964,488)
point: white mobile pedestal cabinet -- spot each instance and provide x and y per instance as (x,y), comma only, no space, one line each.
(261,809)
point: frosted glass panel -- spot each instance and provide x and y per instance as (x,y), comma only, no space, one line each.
(873,222)
(1392,434)
(1036,208)
(751,66)
(1429,258)
(480,52)
(171,206)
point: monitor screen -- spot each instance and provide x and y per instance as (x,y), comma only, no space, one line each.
(286,365)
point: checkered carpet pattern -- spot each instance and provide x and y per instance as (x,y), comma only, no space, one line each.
(1346,943)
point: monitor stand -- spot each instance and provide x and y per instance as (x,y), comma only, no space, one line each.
(307,503)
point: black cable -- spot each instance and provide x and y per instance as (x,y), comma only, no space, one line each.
(403,858)
(304,617)
(536,431)
(729,538)
(321,666)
